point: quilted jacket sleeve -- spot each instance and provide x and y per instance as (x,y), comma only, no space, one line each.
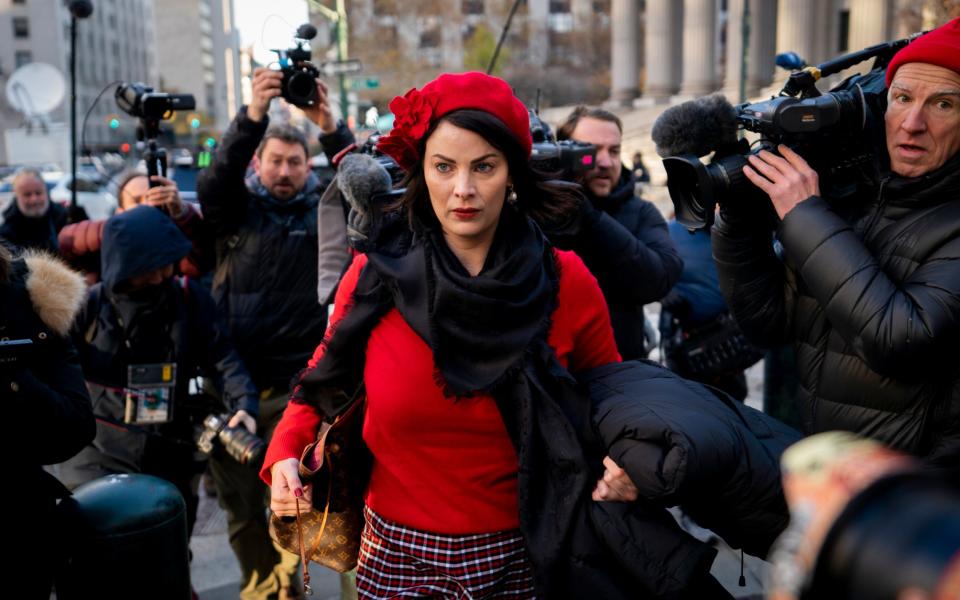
(752,278)
(902,329)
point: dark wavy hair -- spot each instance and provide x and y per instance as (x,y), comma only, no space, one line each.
(549,202)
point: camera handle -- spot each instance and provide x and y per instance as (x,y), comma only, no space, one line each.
(154,156)
(803,83)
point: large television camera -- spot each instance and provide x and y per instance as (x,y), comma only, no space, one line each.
(839,133)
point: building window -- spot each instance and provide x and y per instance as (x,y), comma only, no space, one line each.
(22,57)
(843,31)
(562,50)
(386,35)
(384,7)
(560,22)
(471,7)
(559,6)
(431,35)
(21,27)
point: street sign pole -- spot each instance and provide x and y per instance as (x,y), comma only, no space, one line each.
(339,18)
(342,55)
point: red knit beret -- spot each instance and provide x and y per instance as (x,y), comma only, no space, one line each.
(940,47)
(417,110)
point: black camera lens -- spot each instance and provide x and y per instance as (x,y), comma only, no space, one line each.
(245,447)
(301,89)
(870,556)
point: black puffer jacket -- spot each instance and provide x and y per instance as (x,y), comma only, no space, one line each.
(684,444)
(265,280)
(33,233)
(173,321)
(46,408)
(869,292)
(625,243)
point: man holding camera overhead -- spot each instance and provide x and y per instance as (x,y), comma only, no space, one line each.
(867,289)
(265,285)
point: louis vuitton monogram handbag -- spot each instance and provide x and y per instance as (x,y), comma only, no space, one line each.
(328,532)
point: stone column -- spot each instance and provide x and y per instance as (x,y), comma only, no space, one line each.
(828,30)
(763,45)
(733,66)
(624,70)
(699,47)
(871,22)
(797,31)
(663,47)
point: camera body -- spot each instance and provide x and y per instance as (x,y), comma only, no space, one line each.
(564,159)
(141,101)
(299,86)
(839,133)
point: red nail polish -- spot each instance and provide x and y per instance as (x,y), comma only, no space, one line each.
(298,492)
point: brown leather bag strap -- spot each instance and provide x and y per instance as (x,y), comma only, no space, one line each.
(304,555)
(326,506)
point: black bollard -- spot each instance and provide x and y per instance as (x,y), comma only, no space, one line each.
(128,539)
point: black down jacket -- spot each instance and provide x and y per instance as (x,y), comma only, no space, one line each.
(265,280)
(685,444)
(173,321)
(38,233)
(869,293)
(625,243)
(46,408)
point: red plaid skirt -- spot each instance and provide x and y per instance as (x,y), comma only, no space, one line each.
(399,562)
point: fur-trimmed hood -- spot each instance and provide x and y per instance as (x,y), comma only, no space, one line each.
(56,291)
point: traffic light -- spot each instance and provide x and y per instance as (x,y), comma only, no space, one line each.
(194,123)
(125,147)
(114,123)
(203,159)
(210,142)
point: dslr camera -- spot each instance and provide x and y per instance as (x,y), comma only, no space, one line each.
(245,447)
(839,133)
(299,86)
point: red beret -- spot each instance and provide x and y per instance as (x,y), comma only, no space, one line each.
(417,110)
(940,47)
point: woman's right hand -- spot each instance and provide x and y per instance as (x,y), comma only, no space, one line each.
(286,488)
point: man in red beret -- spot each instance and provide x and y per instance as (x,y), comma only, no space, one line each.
(868,289)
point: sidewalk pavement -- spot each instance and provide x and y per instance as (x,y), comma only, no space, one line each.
(214,569)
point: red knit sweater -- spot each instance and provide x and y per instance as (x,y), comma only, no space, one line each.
(441,465)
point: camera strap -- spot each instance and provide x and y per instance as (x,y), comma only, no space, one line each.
(132,428)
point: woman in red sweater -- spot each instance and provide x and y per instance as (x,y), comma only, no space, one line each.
(462,327)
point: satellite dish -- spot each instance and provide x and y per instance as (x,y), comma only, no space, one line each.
(36,89)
